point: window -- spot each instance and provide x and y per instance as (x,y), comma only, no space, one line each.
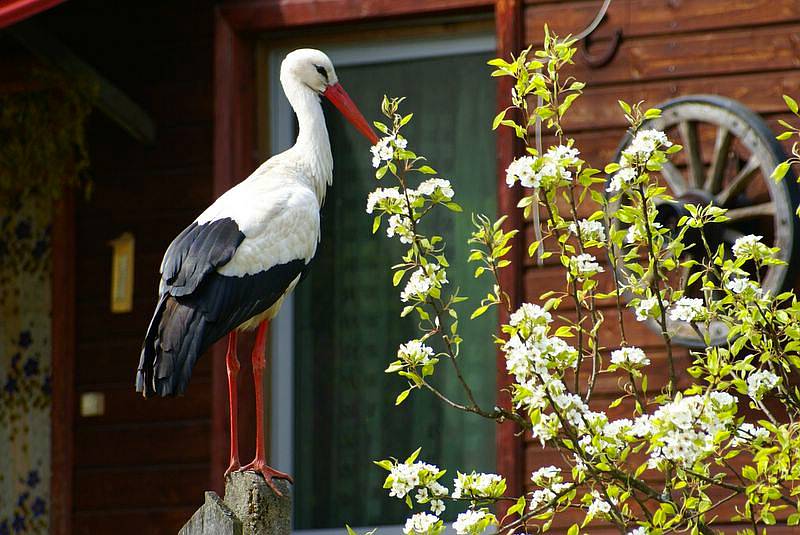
(333,342)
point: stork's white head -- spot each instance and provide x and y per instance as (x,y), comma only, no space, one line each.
(310,69)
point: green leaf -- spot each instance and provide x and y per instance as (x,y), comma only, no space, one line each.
(792,103)
(402,396)
(499,117)
(385,464)
(780,171)
(479,311)
(427,170)
(625,106)
(398,276)
(413,456)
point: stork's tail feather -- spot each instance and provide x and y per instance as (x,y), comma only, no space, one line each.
(173,342)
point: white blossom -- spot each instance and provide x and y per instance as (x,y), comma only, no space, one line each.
(685,431)
(405,477)
(544,475)
(415,353)
(686,309)
(646,308)
(478,485)
(590,230)
(599,505)
(750,246)
(521,170)
(382,197)
(400,225)
(744,287)
(644,144)
(641,530)
(383,150)
(760,382)
(429,186)
(636,233)
(470,522)
(632,357)
(622,179)
(422,281)
(529,316)
(749,434)
(420,524)
(437,507)
(584,266)
(553,167)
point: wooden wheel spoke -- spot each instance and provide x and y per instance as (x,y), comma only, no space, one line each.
(719,160)
(739,182)
(751,212)
(673,178)
(688,131)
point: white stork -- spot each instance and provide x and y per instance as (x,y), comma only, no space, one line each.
(231,269)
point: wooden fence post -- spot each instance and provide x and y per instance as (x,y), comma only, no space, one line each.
(250,507)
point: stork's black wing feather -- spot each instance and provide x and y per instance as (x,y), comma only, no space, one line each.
(198,305)
(198,251)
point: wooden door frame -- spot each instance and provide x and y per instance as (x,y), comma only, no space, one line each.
(237,26)
(62,372)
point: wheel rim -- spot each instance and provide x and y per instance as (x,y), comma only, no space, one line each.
(729,154)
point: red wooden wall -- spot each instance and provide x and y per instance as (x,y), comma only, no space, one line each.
(142,466)
(747,50)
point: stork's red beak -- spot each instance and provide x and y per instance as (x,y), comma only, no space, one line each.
(336,94)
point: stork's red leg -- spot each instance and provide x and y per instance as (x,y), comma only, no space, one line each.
(232,363)
(259,464)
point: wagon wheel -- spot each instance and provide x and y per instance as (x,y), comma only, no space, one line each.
(728,156)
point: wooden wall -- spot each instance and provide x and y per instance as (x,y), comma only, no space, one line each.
(748,50)
(142,466)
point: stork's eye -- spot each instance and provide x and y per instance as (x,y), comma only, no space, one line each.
(322,71)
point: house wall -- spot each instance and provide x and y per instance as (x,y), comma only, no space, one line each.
(143,465)
(743,49)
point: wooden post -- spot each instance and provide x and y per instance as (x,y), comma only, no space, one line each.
(509,26)
(250,507)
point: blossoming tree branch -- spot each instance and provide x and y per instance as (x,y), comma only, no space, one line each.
(680,453)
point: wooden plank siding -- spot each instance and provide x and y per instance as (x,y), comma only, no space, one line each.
(143,465)
(748,50)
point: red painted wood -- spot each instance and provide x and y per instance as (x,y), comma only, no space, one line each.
(224,89)
(13,11)
(63,365)
(510,458)
(234,159)
(261,15)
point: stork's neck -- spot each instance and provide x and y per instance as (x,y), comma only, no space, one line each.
(313,147)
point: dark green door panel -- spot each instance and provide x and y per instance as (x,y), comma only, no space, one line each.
(347,324)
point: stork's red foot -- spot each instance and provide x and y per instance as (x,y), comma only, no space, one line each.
(233,467)
(269,474)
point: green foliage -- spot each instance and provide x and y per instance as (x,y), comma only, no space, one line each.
(679,452)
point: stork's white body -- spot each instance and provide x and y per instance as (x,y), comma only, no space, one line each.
(235,264)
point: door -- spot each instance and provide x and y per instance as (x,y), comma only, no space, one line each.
(345,326)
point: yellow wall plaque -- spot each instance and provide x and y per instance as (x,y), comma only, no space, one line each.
(122,273)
